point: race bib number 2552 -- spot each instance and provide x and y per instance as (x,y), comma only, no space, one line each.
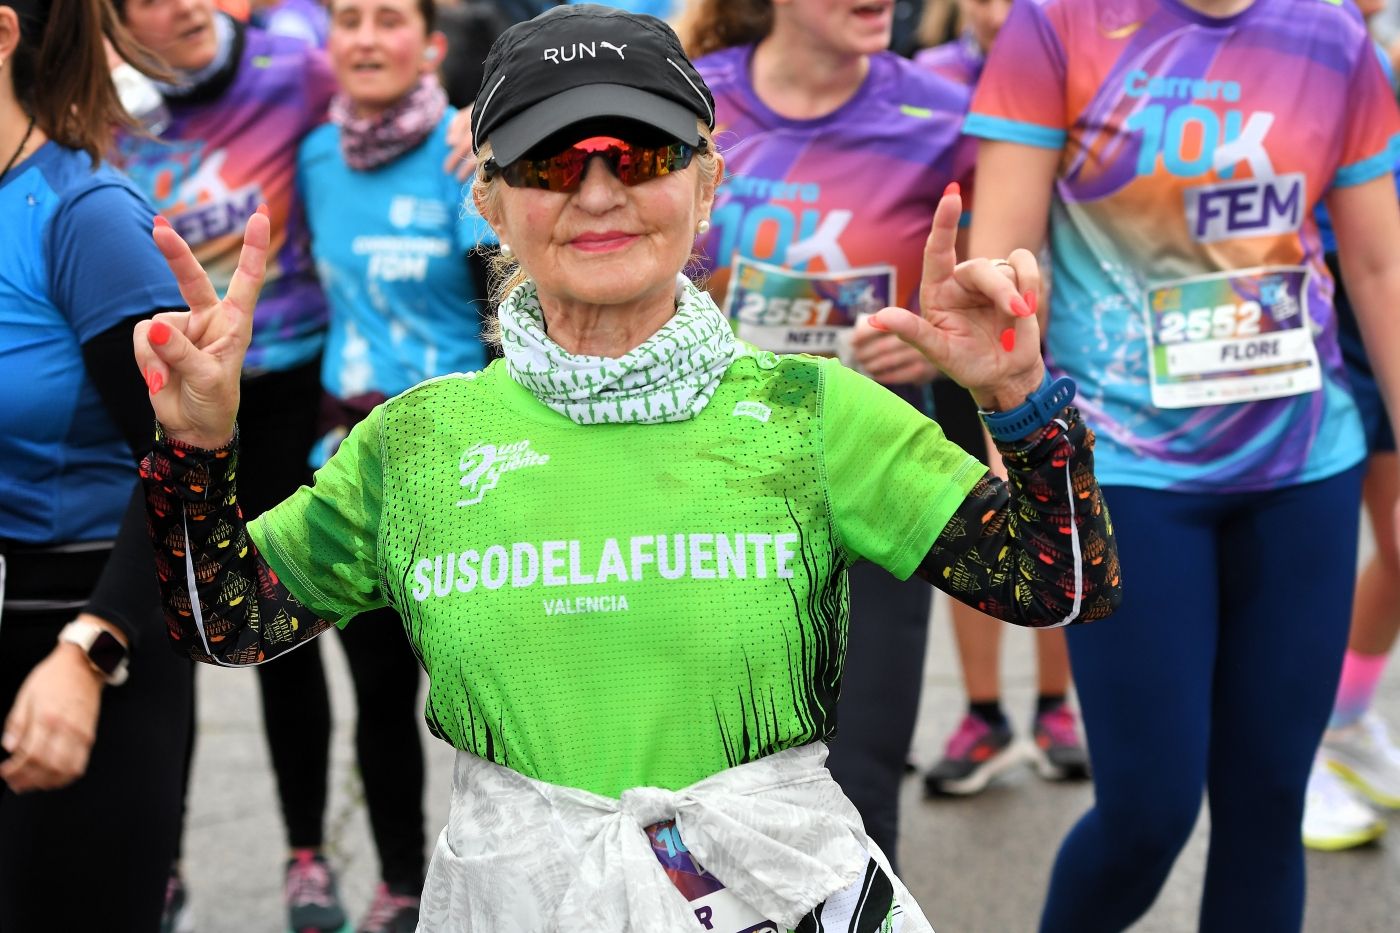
(1237,336)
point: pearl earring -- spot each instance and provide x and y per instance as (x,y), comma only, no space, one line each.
(507,252)
(703,227)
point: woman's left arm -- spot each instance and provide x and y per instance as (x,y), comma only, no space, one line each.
(98,282)
(1035,549)
(1366,219)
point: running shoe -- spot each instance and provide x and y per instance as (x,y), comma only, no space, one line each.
(1333,818)
(1055,749)
(313,903)
(177,917)
(1364,756)
(975,753)
(390,913)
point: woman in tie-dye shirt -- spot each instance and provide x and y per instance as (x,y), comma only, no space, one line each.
(1177,148)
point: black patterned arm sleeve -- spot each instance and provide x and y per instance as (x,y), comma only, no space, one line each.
(223,604)
(1036,549)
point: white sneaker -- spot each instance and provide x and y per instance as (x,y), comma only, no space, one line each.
(1364,756)
(1332,817)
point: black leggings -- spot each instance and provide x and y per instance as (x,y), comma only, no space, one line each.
(880,696)
(95,855)
(884,672)
(277,425)
(387,744)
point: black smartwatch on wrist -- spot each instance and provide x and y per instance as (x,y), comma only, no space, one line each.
(1039,408)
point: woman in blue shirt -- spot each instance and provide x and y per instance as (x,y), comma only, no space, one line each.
(392,245)
(82,797)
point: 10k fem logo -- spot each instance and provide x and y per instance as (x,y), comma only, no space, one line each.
(482,466)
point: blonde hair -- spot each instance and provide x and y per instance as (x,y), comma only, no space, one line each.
(506,271)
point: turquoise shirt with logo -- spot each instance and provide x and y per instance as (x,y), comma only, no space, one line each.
(391,250)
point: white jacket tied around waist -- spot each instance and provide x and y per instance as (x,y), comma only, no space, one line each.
(519,854)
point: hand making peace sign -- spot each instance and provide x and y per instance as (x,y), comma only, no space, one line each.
(192,360)
(978,323)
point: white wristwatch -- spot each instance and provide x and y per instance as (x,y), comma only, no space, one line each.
(106,654)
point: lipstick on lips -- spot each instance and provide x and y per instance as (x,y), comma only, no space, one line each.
(603,241)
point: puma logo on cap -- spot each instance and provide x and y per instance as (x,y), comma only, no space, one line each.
(578,50)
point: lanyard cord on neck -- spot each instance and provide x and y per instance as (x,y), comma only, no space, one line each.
(15,158)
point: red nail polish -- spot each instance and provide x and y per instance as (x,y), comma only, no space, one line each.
(1032,299)
(161,221)
(262,209)
(156,382)
(876,325)
(159,333)
(1008,339)
(1018,307)
(953,188)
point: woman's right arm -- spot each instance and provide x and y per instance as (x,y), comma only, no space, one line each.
(1013,200)
(224,604)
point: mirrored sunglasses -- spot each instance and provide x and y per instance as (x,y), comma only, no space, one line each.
(632,163)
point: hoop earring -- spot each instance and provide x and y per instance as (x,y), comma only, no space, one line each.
(507,252)
(703,227)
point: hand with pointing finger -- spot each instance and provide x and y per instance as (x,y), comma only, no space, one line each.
(192,360)
(978,320)
(888,360)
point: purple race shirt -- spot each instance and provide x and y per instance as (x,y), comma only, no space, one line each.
(219,159)
(822,220)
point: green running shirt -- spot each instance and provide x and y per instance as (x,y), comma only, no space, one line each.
(620,605)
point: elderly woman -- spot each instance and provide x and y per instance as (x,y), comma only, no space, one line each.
(620,552)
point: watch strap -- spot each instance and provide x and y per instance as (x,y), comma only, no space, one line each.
(1038,410)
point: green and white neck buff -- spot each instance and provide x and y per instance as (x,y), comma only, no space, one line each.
(670,377)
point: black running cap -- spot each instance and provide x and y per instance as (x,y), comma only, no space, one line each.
(585,62)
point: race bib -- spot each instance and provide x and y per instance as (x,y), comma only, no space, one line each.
(715,908)
(1237,336)
(787,311)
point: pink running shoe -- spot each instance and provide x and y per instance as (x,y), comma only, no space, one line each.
(976,752)
(1056,751)
(390,913)
(313,903)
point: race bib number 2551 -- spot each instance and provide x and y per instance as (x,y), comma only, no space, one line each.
(789,311)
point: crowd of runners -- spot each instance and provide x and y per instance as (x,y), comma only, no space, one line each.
(1184,239)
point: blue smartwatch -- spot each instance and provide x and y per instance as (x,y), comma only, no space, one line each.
(1039,408)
